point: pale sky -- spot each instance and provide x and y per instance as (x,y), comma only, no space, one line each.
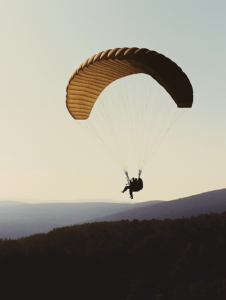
(45,155)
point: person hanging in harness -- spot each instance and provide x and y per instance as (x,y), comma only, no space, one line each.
(134,185)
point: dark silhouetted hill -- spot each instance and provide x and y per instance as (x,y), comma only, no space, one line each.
(181,259)
(204,203)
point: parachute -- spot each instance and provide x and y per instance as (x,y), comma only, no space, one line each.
(114,116)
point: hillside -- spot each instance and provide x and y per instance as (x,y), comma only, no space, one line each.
(180,259)
(214,201)
(22,219)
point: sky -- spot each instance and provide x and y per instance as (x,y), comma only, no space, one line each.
(46,155)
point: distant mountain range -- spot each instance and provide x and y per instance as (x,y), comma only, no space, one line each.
(205,203)
(37,201)
(19,219)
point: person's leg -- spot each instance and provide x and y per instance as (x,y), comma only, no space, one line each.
(131,193)
(125,189)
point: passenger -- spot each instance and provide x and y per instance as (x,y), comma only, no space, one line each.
(135,185)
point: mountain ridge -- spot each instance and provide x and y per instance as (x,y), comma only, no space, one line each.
(36,201)
(19,219)
(183,207)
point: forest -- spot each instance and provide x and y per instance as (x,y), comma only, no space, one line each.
(180,259)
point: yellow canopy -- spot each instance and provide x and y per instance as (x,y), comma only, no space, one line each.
(97,72)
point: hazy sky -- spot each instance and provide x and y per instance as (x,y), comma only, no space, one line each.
(45,155)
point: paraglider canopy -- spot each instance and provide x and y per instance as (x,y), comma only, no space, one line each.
(128,96)
(98,71)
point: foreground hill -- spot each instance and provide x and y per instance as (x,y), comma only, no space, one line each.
(180,259)
(22,219)
(214,201)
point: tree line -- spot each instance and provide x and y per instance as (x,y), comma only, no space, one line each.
(181,259)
